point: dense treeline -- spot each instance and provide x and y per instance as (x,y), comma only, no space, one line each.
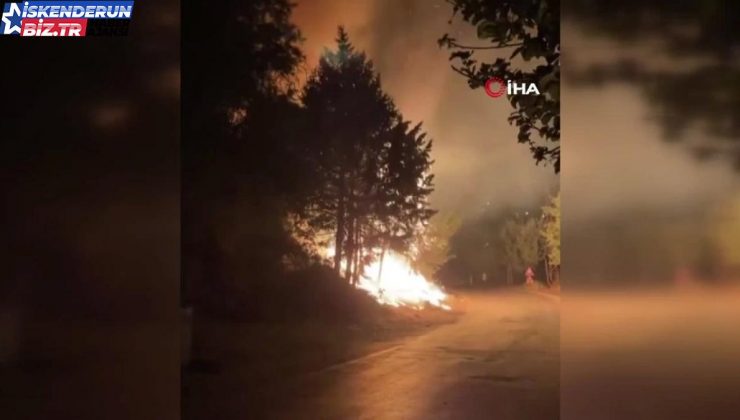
(276,174)
(496,247)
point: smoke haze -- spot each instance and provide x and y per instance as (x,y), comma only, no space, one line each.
(477,158)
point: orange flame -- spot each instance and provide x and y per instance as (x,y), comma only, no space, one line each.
(400,285)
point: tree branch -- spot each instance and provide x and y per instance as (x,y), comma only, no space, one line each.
(493,47)
(461,72)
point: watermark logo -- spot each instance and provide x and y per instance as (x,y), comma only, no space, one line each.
(496,87)
(66,18)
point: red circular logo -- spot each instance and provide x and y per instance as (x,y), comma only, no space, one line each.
(495,87)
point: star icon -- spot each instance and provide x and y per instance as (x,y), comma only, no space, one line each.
(11,20)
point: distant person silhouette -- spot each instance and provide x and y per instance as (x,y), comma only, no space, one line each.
(529,275)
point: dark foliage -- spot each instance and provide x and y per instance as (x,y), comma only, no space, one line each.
(240,173)
(265,174)
(526,34)
(372,168)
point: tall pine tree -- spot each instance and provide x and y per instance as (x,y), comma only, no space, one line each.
(373,169)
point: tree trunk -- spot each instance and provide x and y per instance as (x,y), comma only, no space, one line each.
(380,266)
(358,253)
(339,237)
(350,254)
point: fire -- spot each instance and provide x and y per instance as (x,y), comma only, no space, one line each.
(397,284)
(400,285)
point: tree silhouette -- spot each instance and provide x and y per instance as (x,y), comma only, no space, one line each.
(527,33)
(475,248)
(241,170)
(435,248)
(520,238)
(402,219)
(494,243)
(550,234)
(372,168)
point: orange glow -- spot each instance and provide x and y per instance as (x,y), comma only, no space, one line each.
(400,285)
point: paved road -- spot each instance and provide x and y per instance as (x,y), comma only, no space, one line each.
(651,355)
(500,360)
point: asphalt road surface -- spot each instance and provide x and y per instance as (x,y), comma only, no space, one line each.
(651,355)
(500,360)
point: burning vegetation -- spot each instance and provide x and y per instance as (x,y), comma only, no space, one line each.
(394,282)
(341,166)
(391,280)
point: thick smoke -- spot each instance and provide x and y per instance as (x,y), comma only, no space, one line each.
(477,158)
